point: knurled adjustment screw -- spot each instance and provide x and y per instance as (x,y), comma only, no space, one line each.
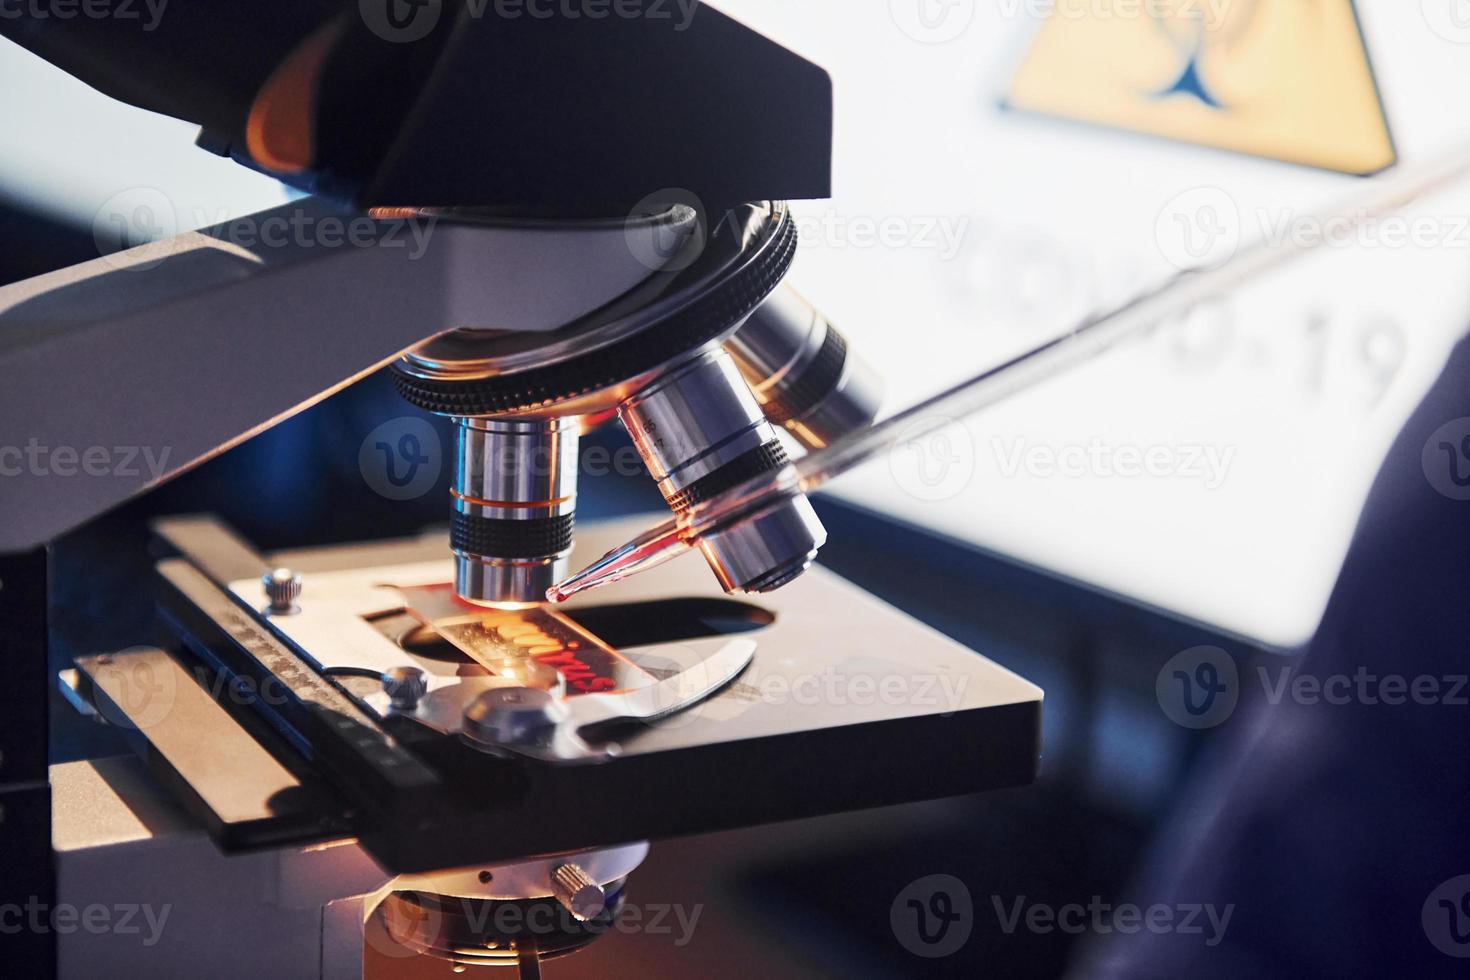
(283,587)
(577,892)
(405,687)
(511,716)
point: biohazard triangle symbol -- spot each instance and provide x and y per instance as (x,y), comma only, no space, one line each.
(1286,79)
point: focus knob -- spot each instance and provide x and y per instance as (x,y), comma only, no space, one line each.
(578,893)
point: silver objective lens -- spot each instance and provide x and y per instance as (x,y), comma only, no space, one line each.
(802,372)
(700,432)
(515,503)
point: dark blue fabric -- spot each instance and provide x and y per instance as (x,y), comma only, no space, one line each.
(1329,826)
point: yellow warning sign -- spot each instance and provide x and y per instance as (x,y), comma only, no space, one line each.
(1286,79)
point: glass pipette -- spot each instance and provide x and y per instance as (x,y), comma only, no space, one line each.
(1172,298)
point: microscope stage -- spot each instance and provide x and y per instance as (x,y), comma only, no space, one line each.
(846,703)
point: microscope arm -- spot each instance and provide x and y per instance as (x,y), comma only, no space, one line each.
(163,356)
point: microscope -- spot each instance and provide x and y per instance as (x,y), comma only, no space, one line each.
(397,751)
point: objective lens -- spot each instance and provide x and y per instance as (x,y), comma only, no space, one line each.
(701,432)
(802,372)
(515,503)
